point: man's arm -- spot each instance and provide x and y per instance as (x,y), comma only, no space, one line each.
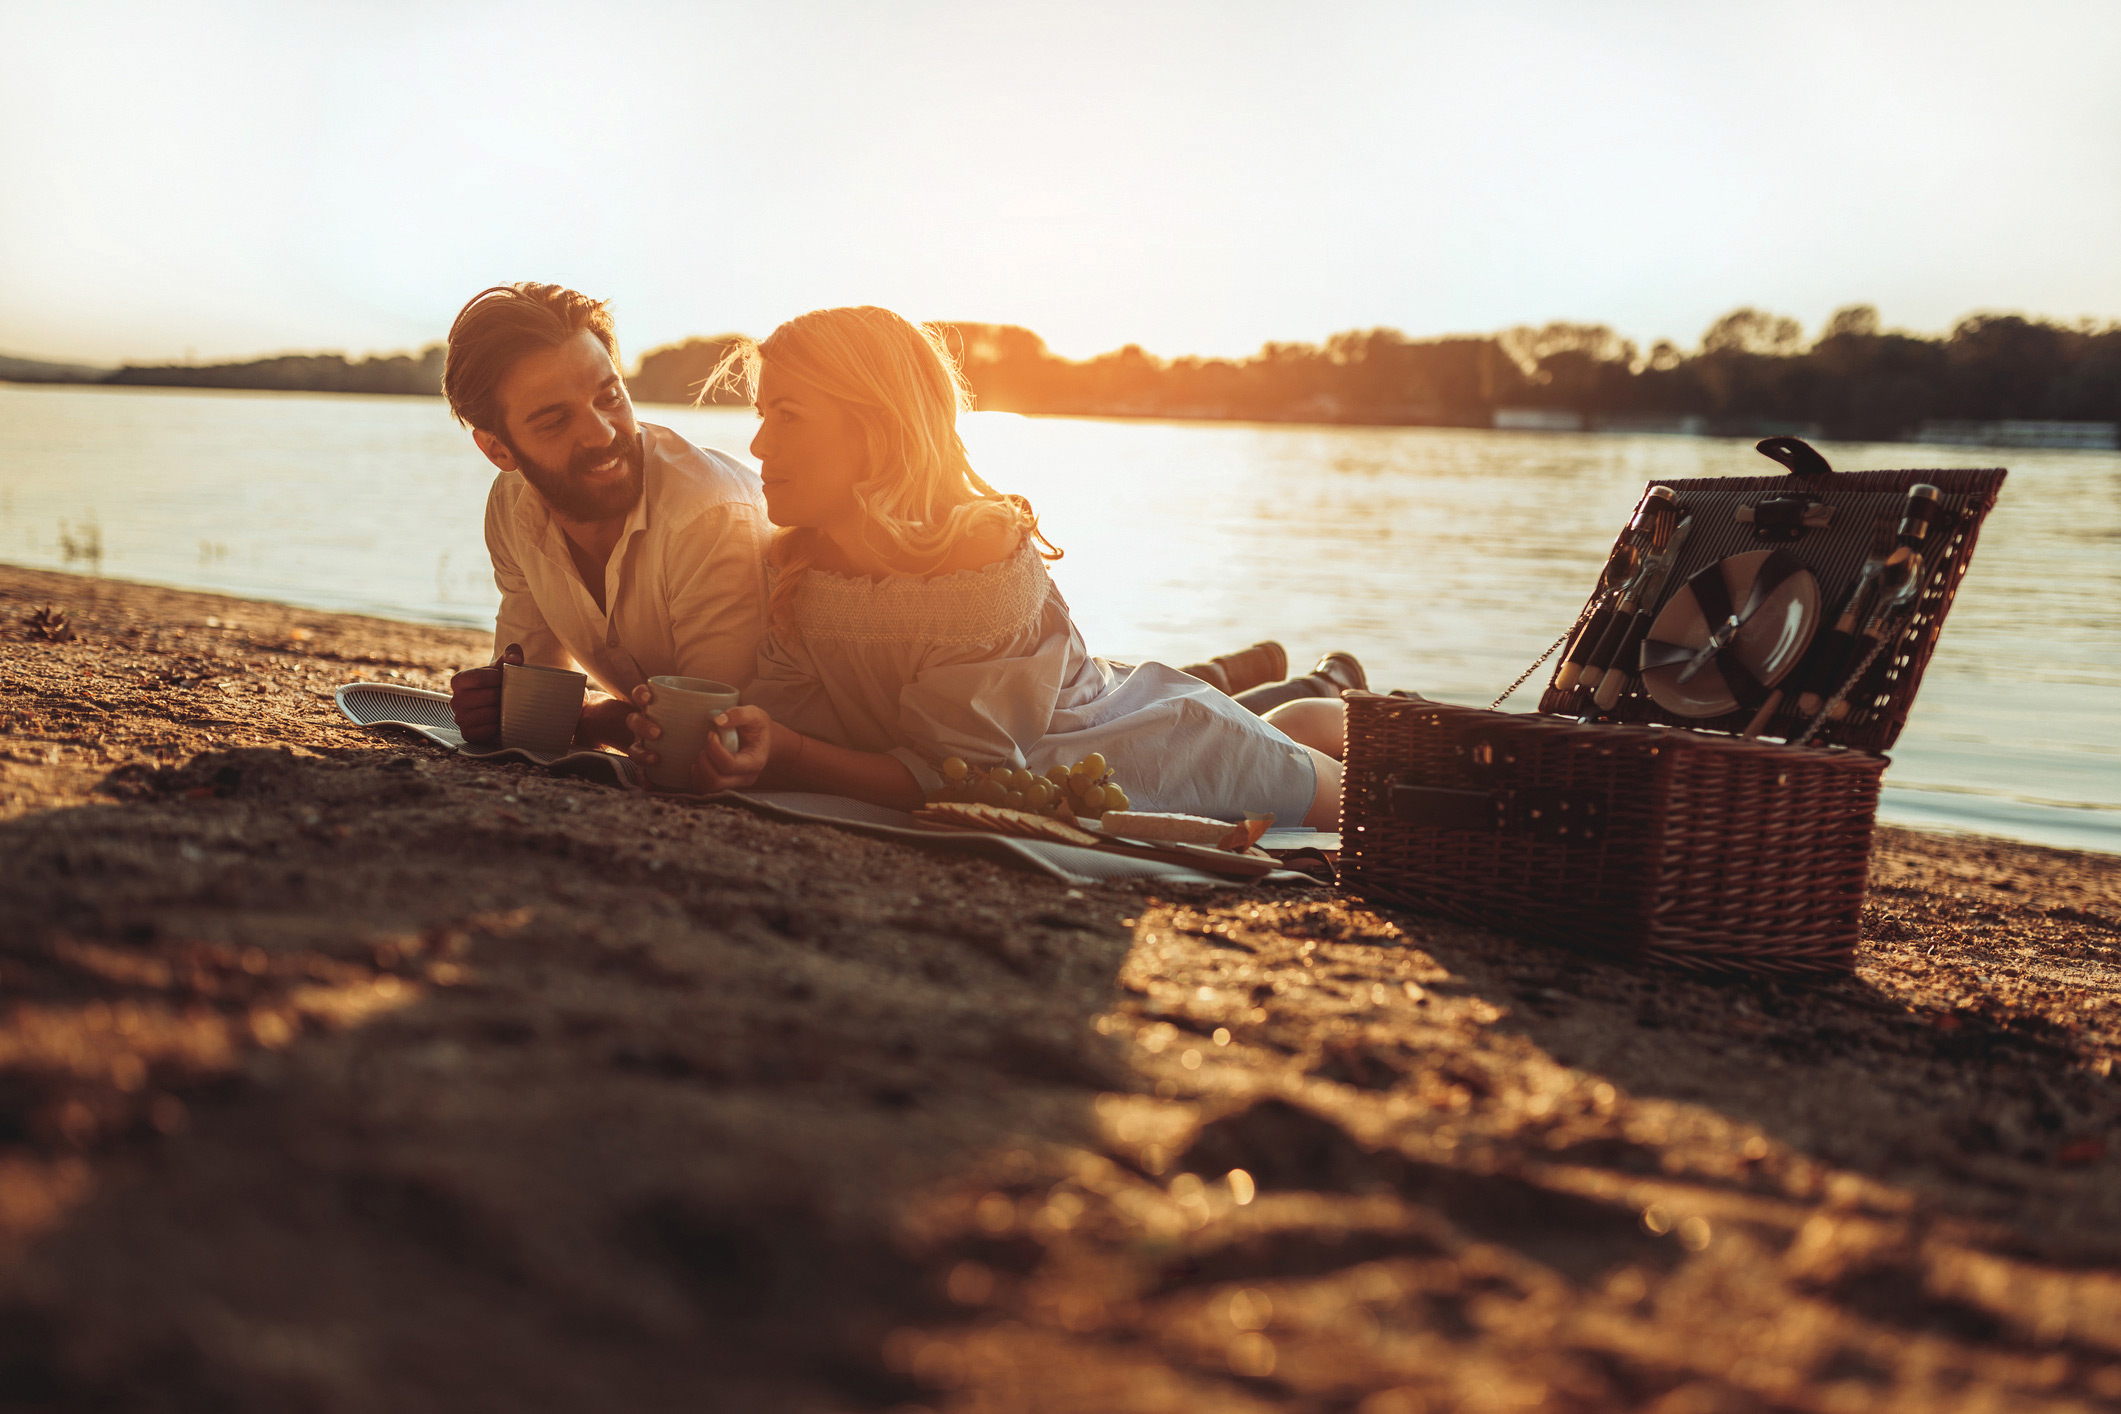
(520,635)
(519,620)
(715,593)
(718,594)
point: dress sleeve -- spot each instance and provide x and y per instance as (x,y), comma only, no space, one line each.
(518,619)
(787,687)
(987,704)
(717,594)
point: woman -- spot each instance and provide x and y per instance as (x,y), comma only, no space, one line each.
(911,618)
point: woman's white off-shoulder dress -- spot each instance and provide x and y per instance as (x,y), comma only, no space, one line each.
(986,665)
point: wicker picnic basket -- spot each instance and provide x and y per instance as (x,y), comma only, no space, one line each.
(1646,834)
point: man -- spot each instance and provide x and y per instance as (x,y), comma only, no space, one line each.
(618,547)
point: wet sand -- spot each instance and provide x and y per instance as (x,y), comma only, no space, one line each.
(339,1074)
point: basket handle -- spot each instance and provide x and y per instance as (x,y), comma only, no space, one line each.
(1798,455)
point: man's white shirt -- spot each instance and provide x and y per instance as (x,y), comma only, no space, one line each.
(684,589)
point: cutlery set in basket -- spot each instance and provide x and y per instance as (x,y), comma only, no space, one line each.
(1640,810)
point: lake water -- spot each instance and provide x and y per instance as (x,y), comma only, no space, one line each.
(1447,559)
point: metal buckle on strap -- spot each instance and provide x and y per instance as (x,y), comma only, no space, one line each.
(1785,517)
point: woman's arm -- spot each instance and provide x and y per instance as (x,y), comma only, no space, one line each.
(778,757)
(798,762)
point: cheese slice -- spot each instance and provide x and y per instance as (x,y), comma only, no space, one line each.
(1000,820)
(1156,826)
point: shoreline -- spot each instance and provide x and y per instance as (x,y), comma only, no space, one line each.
(342,1072)
(1726,434)
(1923,805)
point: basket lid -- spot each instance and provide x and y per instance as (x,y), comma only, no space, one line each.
(1830,521)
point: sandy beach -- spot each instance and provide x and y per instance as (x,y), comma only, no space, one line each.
(341,1074)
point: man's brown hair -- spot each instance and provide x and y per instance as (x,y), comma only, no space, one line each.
(499,325)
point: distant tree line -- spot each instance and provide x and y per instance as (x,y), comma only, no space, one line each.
(307,373)
(38,370)
(1753,372)
(679,373)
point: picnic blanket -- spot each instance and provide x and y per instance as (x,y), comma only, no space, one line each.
(375,704)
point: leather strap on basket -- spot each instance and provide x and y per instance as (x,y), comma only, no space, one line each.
(1713,595)
(1798,455)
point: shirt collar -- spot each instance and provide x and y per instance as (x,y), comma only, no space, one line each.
(637,518)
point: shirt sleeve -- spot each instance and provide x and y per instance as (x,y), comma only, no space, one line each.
(518,619)
(717,594)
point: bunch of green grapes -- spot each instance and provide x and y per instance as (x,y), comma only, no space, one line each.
(1084,789)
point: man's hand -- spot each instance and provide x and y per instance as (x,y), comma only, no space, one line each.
(475,698)
(604,723)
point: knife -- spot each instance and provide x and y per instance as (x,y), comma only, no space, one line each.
(1892,590)
(1898,585)
(1618,570)
(1651,533)
(1647,528)
(1831,658)
(1835,653)
(1638,612)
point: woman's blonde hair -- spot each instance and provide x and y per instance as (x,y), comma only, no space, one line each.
(897,379)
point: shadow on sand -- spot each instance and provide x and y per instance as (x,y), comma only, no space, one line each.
(380,1079)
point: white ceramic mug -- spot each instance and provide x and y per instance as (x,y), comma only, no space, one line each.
(540,707)
(685,708)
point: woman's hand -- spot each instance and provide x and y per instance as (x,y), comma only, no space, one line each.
(643,727)
(717,768)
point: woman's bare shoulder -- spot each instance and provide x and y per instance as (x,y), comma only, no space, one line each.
(989,542)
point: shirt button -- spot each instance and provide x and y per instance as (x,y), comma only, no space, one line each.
(613,640)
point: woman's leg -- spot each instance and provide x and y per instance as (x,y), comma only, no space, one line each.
(1320,723)
(1320,726)
(1333,674)
(1325,801)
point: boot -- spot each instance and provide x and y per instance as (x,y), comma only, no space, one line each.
(1209,673)
(1265,661)
(1334,674)
(1234,672)
(1343,671)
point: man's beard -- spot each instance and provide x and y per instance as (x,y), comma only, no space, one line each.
(570,498)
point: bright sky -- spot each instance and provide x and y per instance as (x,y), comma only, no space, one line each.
(235,177)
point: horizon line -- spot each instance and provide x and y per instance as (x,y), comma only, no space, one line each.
(2083,322)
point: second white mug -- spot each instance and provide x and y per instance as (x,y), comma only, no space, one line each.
(685,708)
